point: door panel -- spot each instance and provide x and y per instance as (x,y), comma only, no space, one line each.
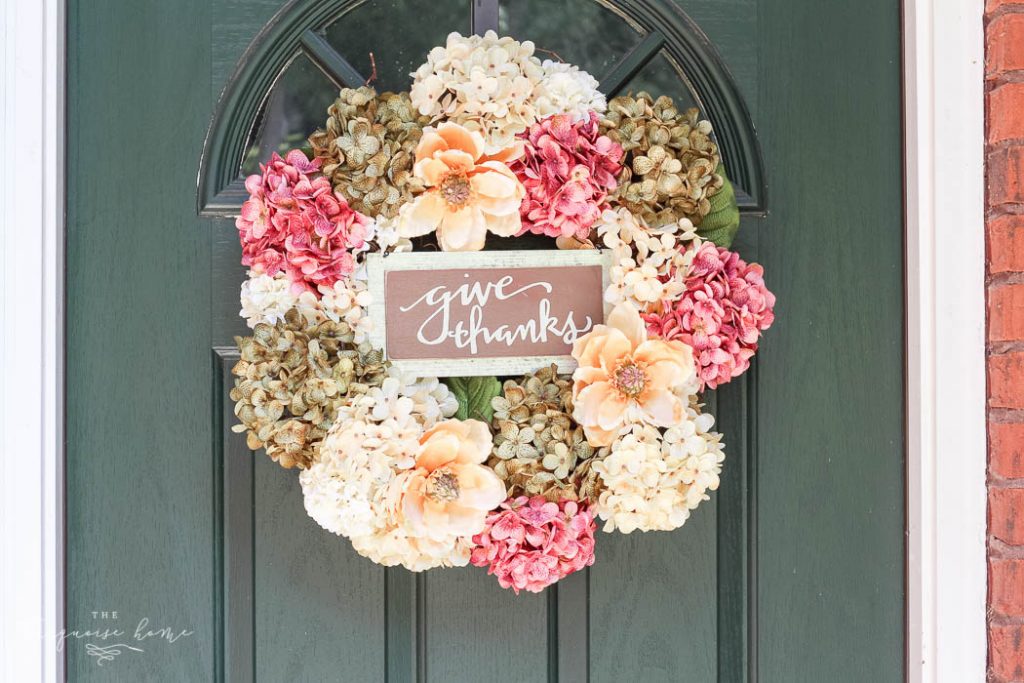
(792,572)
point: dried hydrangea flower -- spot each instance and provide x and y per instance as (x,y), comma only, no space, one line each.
(538,449)
(367,147)
(288,383)
(671,160)
(266,299)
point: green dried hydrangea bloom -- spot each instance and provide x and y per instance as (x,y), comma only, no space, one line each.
(670,163)
(368,147)
(290,380)
(538,449)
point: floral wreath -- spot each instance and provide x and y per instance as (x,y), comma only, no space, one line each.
(491,143)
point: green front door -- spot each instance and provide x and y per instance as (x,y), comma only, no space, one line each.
(794,570)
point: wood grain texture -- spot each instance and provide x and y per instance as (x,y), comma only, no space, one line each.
(653,613)
(478,631)
(139,376)
(830,439)
(320,606)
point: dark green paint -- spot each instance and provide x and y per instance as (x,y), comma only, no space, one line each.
(793,572)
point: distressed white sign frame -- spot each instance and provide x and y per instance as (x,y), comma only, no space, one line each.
(378,266)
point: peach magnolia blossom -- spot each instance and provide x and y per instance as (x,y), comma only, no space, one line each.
(624,378)
(468,194)
(449,491)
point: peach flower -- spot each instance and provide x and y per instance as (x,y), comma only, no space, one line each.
(467,193)
(624,378)
(449,491)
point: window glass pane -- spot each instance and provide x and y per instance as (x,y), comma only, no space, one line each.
(399,33)
(581,32)
(660,77)
(297,105)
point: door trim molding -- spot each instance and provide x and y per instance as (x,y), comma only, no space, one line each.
(32,339)
(946,433)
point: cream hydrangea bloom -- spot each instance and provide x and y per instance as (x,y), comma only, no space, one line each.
(404,398)
(652,480)
(266,298)
(567,89)
(649,266)
(356,486)
(345,486)
(486,83)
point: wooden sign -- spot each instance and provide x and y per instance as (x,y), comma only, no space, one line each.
(459,314)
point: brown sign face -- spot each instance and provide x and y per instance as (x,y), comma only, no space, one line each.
(486,313)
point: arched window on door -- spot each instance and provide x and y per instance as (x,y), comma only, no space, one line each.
(312,48)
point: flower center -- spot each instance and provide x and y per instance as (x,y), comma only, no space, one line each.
(442,485)
(630,379)
(456,190)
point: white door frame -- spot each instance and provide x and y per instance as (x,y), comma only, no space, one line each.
(31,338)
(946,441)
(945,264)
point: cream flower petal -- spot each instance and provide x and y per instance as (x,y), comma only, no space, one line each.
(430,143)
(504,226)
(480,487)
(499,207)
(589,375)
(669,364)
(432,170)
(456,159)
(601,342)
(458,137)
(439,449)
(589,401)
(663,408)
(615,347)
(478,441)
(497,182)
(610,413)
(423,215)
(598,437)
(626,319)
(463,521)
(514,151)
(462,230)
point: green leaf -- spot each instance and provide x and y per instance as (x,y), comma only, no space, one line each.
(723,222)
(474,395)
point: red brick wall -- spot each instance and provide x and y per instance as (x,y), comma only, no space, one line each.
(1004,87)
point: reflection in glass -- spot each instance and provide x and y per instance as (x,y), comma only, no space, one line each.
(581,32)
(297,105)
(399,33)
(660,77)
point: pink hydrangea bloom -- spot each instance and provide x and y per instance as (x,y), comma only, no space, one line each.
(530,543)
(721,314)
(568,168)
(293,221)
